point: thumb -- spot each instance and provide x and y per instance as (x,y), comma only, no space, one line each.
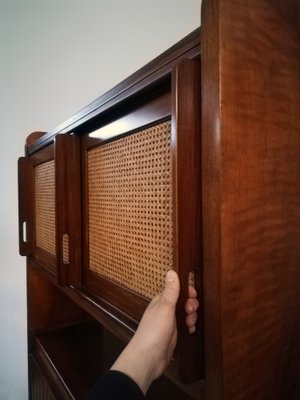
(172,287)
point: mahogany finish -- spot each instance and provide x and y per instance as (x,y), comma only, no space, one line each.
(187,183)
(236,148)
(251,196)
(62,290)
(68,210)
(33,137)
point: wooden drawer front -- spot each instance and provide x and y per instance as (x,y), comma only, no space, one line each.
(130,209)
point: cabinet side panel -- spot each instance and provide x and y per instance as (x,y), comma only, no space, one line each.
(256,126)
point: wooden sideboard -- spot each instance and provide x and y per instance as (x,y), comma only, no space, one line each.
(192,163)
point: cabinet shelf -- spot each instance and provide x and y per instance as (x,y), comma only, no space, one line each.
(74,357)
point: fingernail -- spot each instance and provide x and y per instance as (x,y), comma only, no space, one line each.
(170,276)
(192,330)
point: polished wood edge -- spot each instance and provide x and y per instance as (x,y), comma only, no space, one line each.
(211,230)
(61,147)
(156,70)
(68,208)
(250,98)
(25,203)
(186,119)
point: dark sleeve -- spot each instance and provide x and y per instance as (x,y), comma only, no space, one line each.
(115,385)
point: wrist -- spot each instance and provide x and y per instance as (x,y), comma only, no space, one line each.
(134,363)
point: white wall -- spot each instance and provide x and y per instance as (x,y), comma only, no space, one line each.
(55,57)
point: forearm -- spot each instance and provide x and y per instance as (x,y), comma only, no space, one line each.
(135,363)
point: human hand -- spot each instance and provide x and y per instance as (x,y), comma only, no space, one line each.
(150,350)
(191,308)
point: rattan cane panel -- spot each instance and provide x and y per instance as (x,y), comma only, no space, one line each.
(65,241)
(130,209)
(45,206)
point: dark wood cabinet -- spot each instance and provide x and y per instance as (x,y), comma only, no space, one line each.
(49,207)
(191,163)
(113,203)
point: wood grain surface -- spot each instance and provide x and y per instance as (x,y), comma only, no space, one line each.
(251,185)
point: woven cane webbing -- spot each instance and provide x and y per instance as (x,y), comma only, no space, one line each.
(65,247)
(45,206)
(130,209)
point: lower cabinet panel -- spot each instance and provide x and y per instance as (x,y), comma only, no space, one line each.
(39,387)
(71,358)
(65,363)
